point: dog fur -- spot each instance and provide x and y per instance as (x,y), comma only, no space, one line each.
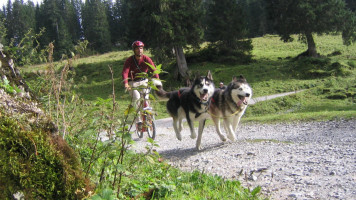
(190,103)
(230,104)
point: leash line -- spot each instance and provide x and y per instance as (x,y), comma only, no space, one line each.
(235,113)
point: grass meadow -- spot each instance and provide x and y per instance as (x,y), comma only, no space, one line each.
(274,70)
(329,85)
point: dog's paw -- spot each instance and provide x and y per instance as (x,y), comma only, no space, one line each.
(198,148)
(179,137)
(193,136)
(223,138)
(232,138)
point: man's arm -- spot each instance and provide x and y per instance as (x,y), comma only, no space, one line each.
(125,74)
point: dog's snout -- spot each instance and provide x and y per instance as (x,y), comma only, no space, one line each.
(205,91)
(247,94)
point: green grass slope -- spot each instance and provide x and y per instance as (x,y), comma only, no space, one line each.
(329,81)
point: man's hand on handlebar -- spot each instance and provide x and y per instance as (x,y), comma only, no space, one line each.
(127,87)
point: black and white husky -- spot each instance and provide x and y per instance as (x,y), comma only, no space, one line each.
(191,104)
(230,104)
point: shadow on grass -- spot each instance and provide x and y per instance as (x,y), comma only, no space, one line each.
(257,71)
(95,80)
(98,72)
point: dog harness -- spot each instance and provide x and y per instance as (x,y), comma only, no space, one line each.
(235,113)
(207,104)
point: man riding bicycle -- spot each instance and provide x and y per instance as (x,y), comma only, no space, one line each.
(133,65)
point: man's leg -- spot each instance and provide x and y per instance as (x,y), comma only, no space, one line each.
(135,100)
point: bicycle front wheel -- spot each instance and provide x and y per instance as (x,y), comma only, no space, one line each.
(151,129)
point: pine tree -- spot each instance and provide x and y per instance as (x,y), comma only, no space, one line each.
(111,18)
(20,19)
(9,21)
(96,26)
(73,20)
(53,15)
(3,30)
(167,25)
(351,4)
(257,18)
(120,27)
(227,30)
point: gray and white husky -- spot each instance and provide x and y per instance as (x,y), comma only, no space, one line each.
(230,104)
(190,103)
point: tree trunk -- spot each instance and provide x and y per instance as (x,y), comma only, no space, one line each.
(311,52)
(182,63)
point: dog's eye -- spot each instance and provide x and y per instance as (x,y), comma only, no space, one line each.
(201,85)
(240,89)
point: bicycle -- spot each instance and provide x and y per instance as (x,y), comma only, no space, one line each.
(147,116)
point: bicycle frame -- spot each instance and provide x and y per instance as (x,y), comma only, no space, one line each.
(144,106)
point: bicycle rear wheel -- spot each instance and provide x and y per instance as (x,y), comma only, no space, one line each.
(151,126)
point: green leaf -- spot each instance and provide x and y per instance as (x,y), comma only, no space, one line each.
(150,159)
(6,82)
(127,136)
(150,140)
(256,190)
(151,66)
(130,109)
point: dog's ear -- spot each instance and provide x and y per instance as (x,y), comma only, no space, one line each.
(242,78)
(188,82)
(209,76)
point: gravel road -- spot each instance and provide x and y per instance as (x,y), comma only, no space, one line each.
(304,160)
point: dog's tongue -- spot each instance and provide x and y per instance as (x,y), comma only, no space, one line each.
(242,101)
(204,97)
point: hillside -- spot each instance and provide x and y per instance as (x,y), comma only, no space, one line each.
(328,80)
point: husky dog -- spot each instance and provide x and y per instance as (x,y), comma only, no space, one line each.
(190,103)
(230,104)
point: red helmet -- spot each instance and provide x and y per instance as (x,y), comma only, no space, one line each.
(137,44)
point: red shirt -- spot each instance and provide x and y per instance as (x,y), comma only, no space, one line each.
(130,66)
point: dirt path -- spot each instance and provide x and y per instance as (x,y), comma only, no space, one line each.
(309,160)
(313,160)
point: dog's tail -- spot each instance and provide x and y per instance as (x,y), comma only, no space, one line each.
(160,92)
